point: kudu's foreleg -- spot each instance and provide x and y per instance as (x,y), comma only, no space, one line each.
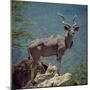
(58,64)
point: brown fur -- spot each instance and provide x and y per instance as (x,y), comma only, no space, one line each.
(55,45)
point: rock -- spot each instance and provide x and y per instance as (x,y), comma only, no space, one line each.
(21,72)
(51,78)
(47,77)
(63,80)
(52,69)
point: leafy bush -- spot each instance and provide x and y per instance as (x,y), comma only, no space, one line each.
(80,73)
(19,24)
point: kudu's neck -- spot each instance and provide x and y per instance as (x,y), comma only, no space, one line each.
(68,40)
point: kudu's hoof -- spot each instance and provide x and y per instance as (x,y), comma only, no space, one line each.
(33,82)
(59,73)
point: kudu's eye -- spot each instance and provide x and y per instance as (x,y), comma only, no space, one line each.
(66,27)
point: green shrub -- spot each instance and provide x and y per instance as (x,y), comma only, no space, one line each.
(80,72)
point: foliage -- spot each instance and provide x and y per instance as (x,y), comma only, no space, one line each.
(19,34)
(80,73)
(20,23)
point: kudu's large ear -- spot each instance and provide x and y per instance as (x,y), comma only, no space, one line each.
(66,26)
(76,28)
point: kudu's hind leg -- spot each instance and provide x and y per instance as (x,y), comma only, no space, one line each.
(34,69)
(58,65)
(28,53)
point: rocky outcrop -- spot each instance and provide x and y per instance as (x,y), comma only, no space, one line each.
(45,76)
(52,79)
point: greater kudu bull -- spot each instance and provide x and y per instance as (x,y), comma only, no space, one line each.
(54,45)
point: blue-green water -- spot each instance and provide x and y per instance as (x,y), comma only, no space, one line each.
(47,22)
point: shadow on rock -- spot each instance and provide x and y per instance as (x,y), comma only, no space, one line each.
(21,72)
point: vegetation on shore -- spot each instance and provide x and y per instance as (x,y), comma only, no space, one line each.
(80,72)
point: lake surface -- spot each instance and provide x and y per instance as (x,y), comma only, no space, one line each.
(47,22)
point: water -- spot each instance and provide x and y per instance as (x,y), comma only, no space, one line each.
(47,22)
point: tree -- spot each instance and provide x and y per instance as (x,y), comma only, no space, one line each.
(19,24)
